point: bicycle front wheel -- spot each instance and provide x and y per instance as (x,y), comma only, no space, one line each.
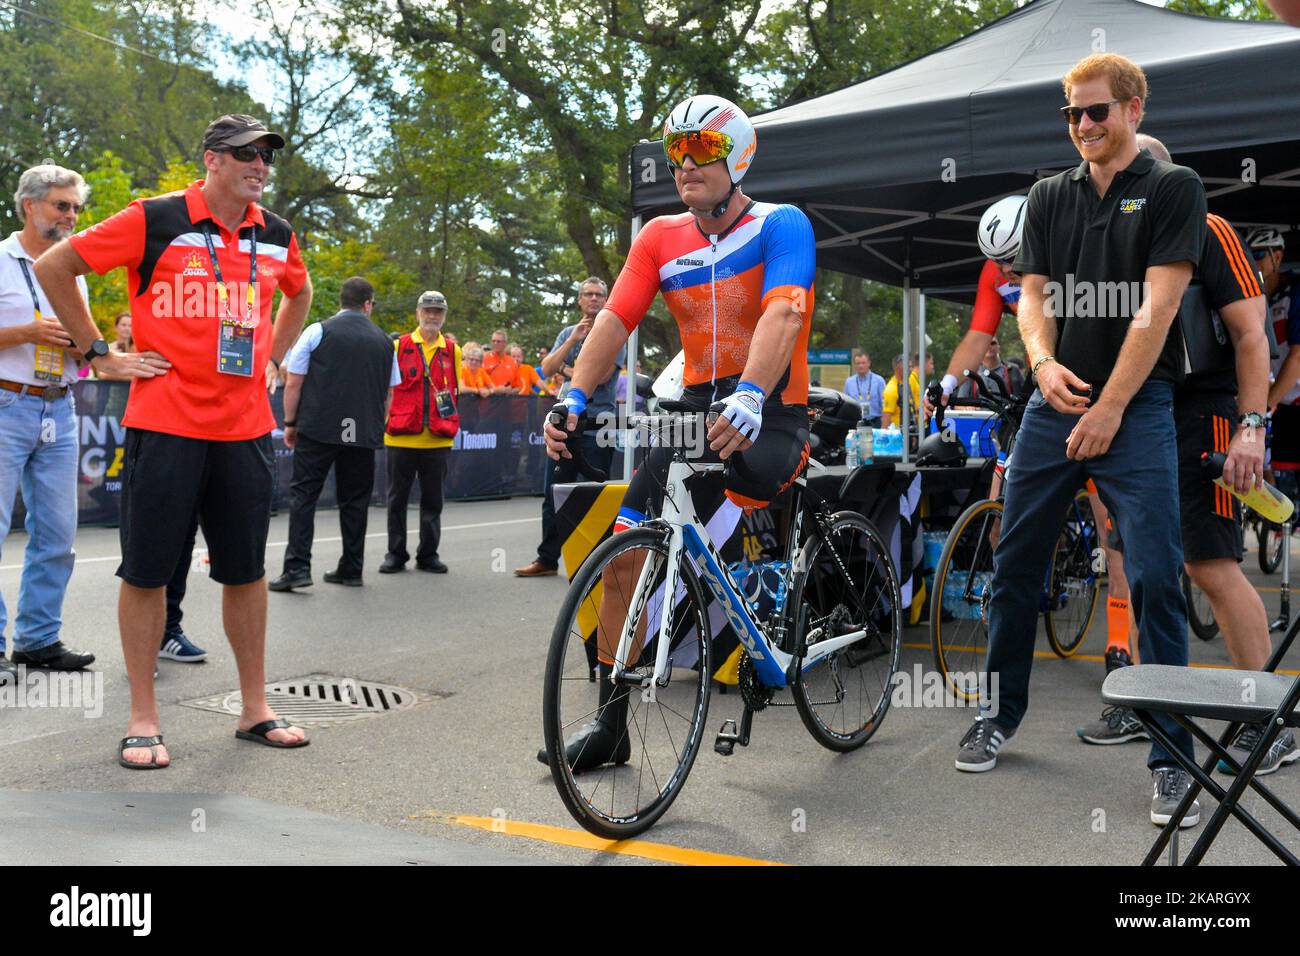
(1070,598)
(658,729)
(846,583)
(959,605)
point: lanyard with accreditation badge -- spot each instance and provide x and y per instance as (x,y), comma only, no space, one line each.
(235,343)
(49,360)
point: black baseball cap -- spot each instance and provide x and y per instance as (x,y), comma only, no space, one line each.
(238,129)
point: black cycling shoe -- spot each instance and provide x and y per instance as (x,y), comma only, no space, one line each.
(605,739)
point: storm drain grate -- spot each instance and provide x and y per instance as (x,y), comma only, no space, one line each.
(319,699)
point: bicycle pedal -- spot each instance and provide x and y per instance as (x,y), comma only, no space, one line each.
(727,739)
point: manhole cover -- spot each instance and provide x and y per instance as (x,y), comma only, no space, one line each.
(318,699)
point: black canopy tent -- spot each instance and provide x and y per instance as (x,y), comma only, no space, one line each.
(895,171)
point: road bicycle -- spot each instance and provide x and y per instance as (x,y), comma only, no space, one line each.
(651,599)
(964,574)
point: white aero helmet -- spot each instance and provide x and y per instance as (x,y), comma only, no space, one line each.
(1264,237)
(708,128)
(1001,226)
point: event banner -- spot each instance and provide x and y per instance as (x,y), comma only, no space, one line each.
(498,452)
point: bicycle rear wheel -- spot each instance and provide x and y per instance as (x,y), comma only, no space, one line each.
(661,732)
(1071,593)
(1199,613)
(1270,537)
(847,583)
(959,604)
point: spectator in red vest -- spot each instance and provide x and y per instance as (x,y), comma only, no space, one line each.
(421,425)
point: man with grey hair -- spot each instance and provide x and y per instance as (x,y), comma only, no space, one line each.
(38,424)
(599,452)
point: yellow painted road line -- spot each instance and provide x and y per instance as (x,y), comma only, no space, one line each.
(1050,656)
(582,840)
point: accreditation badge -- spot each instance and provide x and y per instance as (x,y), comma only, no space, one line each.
(235,348)
(49,364)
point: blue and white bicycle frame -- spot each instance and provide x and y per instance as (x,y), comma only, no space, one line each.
(773,666)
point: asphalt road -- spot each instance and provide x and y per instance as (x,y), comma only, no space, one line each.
(460,766)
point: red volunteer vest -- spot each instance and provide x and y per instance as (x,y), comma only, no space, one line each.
(414,405)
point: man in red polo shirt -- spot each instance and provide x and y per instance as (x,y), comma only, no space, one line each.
(202,267)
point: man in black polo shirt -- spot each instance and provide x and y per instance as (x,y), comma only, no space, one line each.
(341,377)
(1107,252)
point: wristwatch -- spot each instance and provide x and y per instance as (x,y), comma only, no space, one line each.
(1251,420)
(98,349)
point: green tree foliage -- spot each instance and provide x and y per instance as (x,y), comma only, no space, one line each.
(1228,9)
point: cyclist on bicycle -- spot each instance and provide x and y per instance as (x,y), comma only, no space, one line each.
(1267,247)
(998,291)
(737,275)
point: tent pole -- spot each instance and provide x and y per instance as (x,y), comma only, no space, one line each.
(904,387)
(629,451)
(920,369)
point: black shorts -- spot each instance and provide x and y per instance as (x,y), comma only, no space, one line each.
(170,479)
(1211,517)
(765,469)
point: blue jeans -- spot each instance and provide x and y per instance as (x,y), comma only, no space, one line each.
(38,450)
(1137,479)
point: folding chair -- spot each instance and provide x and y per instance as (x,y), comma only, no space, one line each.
(1239,697)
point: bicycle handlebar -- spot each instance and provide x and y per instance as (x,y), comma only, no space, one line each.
(558,416)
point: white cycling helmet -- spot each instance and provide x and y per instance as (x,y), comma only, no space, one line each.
(708,128)
(1001,226)
(1264,237)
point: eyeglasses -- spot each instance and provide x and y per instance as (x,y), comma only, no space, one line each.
(64,207)
(1258,254)
(1097,112)
(246,154)
(702,146)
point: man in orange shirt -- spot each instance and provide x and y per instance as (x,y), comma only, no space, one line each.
(530,382)
(202,266)
(502,367)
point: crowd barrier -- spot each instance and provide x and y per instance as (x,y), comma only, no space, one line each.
(498,453)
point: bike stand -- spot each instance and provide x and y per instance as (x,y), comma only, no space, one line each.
(1284,620)
(727,739)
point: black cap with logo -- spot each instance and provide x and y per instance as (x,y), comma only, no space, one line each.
(238,129)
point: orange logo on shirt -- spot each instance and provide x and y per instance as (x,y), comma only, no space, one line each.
(194,266)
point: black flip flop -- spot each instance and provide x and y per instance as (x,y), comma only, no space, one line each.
(258,734)
(149,742)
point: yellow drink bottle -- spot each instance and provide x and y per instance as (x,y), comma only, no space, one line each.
(1266,501)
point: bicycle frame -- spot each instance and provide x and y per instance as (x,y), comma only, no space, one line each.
(687,534)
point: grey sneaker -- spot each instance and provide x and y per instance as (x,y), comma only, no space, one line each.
(1282,751)
(1169,786)
(979,748)
(1117,725)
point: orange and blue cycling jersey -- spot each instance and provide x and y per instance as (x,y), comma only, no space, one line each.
(717,287)
(994,296)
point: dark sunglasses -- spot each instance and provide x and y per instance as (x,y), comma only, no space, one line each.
(64,207)
(246,154)
(1258,254)
(1097,112)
